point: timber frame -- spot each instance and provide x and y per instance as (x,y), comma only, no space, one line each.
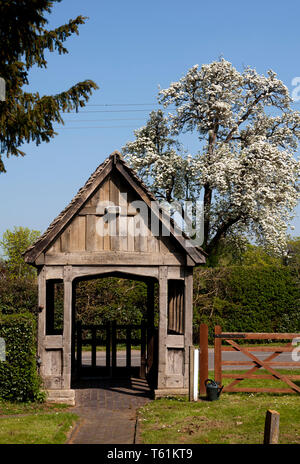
(79,244)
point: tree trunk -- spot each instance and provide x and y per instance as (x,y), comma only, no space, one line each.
(207,204)
(221,232)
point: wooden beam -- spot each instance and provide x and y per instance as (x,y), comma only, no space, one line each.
(175,341)
(53,342)
(114,257)
(259,336)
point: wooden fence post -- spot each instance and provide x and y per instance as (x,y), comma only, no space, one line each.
(203,368)
(218,355)
(271,427)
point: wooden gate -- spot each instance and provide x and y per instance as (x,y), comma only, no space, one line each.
(254,361)
(108,337)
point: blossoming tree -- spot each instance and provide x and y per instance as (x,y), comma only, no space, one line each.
(246,167)
(161,161)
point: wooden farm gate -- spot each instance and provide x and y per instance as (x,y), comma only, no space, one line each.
(254,361)
(109,336)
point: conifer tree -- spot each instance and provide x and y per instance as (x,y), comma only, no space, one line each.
(24,37)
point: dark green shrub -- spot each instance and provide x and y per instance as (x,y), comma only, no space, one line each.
(18,295)
(19,380)
(257,298)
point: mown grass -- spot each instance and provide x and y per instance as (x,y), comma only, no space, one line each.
(34,423)
(11,408)
(36,429)
(236,418)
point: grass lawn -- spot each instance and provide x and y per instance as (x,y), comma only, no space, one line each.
(236,418)
(34,423)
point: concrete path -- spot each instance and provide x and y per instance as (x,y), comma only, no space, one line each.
(107,410)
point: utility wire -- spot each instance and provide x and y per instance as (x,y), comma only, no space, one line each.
(106,111)
(122,104)
(98,120)
(91,127)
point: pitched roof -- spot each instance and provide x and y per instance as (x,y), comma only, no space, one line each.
(85,192)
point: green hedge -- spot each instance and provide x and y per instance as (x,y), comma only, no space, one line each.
(18,295)
(257,298)
(19,380)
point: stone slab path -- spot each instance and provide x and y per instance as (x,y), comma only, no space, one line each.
(107,410)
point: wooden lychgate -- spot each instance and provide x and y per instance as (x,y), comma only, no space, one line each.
(114,227)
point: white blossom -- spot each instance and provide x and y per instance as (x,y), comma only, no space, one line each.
(247,165)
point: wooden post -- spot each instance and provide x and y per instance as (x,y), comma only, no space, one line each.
(108,341)
(94,348)
(191,373)
(67,332)
(150,328)
(79,347)
(203,338)
(128,347)
(143,351)
(271,427)
(162,330)
(188,321)
(73,343)
(114,345)
(42,317)
(218,355)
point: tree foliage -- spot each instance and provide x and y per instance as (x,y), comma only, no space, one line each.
(246,166)
(14,243)
(24,116)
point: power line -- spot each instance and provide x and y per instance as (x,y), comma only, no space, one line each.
(122,104)
(107,111)
(98,120)
(92,127)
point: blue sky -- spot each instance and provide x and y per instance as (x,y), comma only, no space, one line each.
(128,49)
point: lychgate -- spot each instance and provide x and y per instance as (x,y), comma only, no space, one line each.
(113,227)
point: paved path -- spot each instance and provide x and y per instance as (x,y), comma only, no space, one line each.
(107,410)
